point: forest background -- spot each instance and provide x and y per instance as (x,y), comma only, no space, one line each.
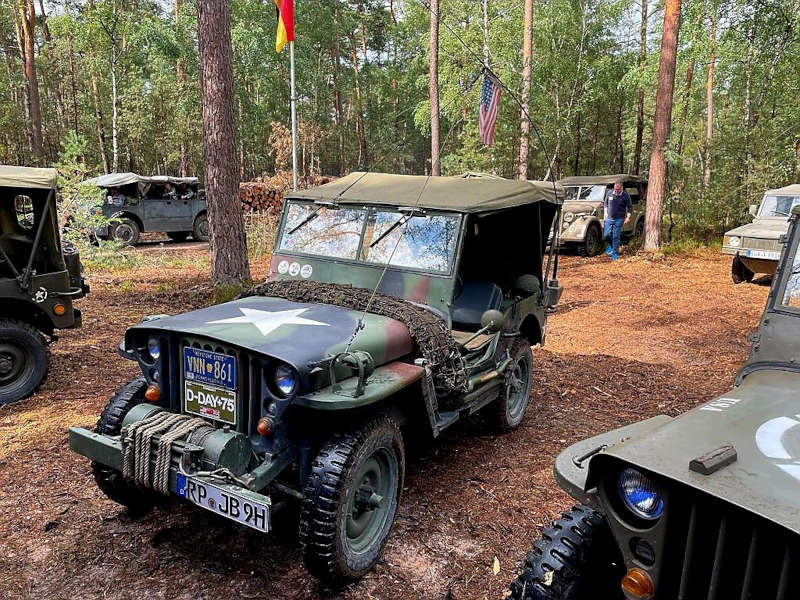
(114,85)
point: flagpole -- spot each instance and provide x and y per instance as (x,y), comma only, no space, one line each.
(294,116)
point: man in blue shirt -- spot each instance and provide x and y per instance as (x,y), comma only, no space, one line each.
(618,208)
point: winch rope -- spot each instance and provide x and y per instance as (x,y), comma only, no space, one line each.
(164,452)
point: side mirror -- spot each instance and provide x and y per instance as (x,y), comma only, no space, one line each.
(552,293)
(493,321)
(753,210)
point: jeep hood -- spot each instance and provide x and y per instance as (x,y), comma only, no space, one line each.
(579,207)
(294,332)
(770,229)
(761,418)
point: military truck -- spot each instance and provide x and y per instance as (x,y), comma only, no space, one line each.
(756,247)
(704,505)
(39,279)
(581,225)
(396,305)
(135,204)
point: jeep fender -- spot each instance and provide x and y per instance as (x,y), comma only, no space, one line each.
(127,215)
(576,232)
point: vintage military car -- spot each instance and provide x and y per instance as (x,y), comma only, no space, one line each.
(581,224)
(704,505)
(396,305)
(39,279)
(756,247)
(135,204)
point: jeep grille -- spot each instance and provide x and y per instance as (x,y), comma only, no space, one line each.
(761,244)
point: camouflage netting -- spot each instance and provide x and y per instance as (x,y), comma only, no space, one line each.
(429,332)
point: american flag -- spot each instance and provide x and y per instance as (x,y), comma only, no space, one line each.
(487,117)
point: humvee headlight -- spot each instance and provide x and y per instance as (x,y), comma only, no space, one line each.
(640,495)
(734,241)
(569,217)
(285,379)
(153,348)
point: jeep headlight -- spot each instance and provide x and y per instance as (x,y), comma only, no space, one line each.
(640,495)
(285,380)
(734,241)
(153,348)
(569,217)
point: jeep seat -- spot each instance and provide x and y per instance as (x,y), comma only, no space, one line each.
(476,298)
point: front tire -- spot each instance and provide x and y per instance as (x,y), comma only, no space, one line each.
(350,501)
(739,271)
(24,360)
(110,481)
(509,409)
(575,559)
(126,232)
(200,230)
(592,244)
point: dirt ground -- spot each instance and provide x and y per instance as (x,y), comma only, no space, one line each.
(630,340)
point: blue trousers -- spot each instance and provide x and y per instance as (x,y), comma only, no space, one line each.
(613,232)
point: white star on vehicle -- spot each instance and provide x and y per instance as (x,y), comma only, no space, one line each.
(267,321)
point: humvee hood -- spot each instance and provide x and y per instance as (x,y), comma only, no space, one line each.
(770,229)
(761,418)
(294,332)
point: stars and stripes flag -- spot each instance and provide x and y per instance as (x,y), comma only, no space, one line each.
(490,101)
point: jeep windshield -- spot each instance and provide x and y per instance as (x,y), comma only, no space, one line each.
(411,239)
(778,206)
(586,193)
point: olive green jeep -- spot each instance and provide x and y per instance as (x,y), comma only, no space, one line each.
(704,505)
(396,305)
(40,277)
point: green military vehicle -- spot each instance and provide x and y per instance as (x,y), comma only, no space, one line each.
(581,225)
(39,279)
(704,505)
(756,247)
(396,305)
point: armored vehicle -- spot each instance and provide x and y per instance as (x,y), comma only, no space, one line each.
(704,505)
(396,305)
(581,225)
(39,279)
(135,204)
(756,247)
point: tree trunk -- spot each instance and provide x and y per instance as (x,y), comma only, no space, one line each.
(183,125)
(98,107)
(363,160)
(433,89)
(525,125)
(687,92)
(710,102)
(27,13)
(229,264)
(595,136)
(619,157)
(661,124)
(337,94)
(578,129)
(637,153)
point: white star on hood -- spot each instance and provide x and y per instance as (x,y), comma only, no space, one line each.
(267,321)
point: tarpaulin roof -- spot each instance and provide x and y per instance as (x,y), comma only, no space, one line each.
(120,179)
(602,179)
(470,193)
(789,190)
(28,177)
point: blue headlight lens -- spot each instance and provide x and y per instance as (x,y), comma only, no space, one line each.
(285,379)
(640,495)
(153,348)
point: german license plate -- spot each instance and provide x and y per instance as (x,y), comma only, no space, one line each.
(224,502)
(766,254)
(209,388)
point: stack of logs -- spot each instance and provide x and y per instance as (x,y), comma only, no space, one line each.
(265,194)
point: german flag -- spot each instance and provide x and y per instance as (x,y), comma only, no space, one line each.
(285,33)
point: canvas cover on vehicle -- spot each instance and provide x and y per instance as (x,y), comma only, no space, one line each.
(789,190)
(470,193)
(28,177)
(119,179)
(602,179)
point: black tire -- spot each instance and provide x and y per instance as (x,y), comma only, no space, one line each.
(178,236)
(592,244)
(24,360)
(575,559)
(508,411)
(739,271)
(340,537)
(200,229)
(126,231)
(110,481)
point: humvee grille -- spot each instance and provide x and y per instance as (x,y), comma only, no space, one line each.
(760,244)
(716,551)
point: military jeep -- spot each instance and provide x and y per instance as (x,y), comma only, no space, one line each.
(581,224)
(756,247)
(39,279)
(135,204)
(704,505)
(396,305)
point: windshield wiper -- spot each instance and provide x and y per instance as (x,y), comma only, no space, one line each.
(313,215)
(408,213)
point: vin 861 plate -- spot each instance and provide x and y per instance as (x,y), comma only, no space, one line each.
(209,388)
